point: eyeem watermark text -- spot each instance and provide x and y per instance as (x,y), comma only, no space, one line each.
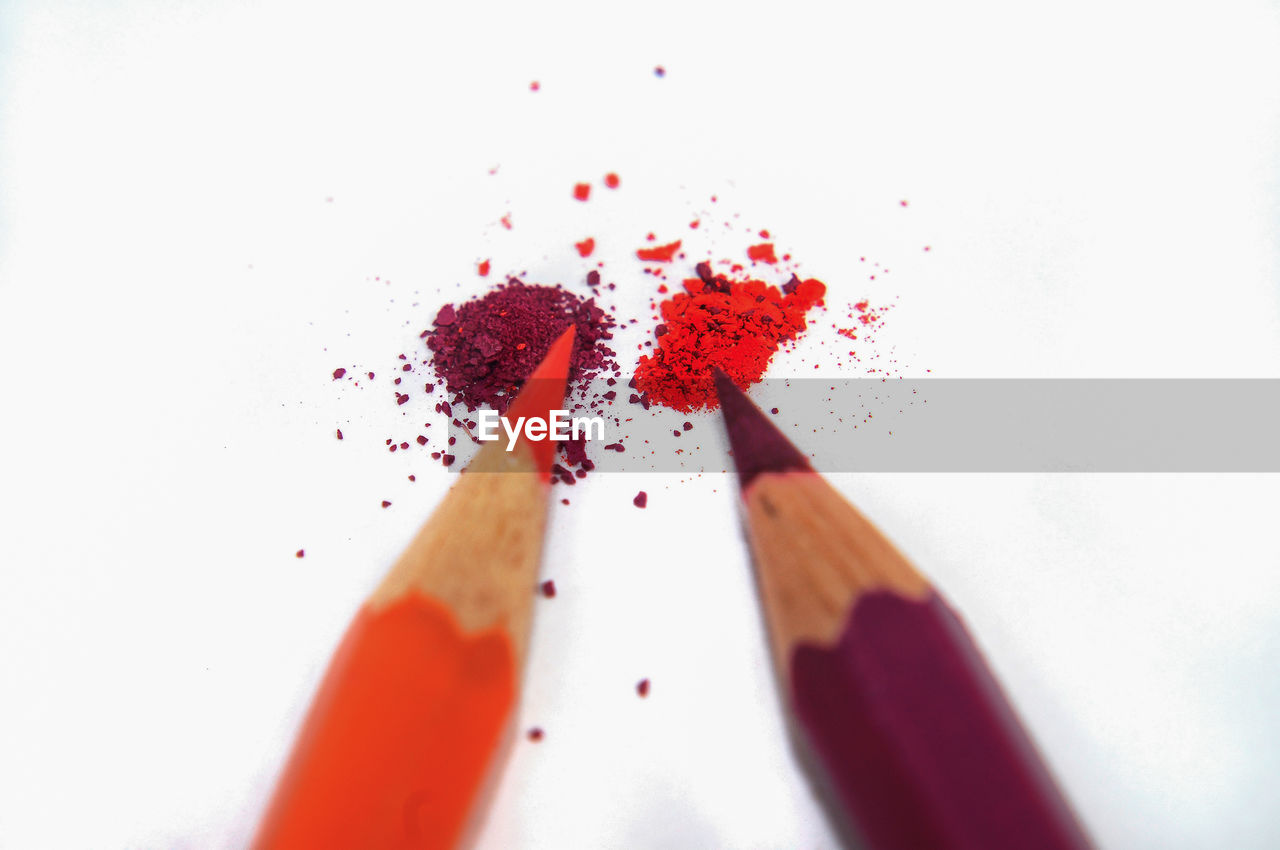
(560,426)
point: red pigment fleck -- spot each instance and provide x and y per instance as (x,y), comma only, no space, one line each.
(903,203)
(585,247)
(535,86)
(300,553)
(506,221)
(339,433)
(482,268)
(659,71)
(642,687)
(338,373)
(413,478)
(762,253)
(611,180)
(641,499)
(385,503)
(736,325)
(422,441)
(660,254)
(476,347)
(582,191)
(535,734)
(549,589)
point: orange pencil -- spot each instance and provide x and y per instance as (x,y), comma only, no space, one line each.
(405,730)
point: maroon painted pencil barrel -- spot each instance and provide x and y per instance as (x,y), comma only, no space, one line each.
(916,738)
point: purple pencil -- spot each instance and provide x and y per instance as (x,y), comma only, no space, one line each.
(913,739)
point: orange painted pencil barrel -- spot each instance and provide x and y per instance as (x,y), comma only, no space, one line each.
(405,732)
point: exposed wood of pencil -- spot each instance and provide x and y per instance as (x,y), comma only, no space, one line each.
(815,554)
(479,552)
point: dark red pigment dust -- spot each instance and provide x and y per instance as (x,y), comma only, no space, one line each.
(548,589)
(485,349)
(300,553)
(736,325)
(641,499)
(535,734)
(642,687)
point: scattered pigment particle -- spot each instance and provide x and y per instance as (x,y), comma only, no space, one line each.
(774,411)
(659,71)
(641,499)
(762,253)
(485,349)
(535,734)
(338,373)
(535,86)
(660,254)
(736,325)
(385,503)
(582,191)
(548,588)
(585,247)
(482,268)
(611,180)
(339,430)
(642,687)
(903,203)
(300,553)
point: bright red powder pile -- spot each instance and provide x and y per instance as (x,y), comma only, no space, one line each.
(486,348)
(735,325)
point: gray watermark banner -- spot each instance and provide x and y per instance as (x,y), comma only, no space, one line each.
(968,425)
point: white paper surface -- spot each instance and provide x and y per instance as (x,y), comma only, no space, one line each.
(206,208)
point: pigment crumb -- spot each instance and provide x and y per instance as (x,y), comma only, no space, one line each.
(641,500)
(642,687)
(535,734)
(548,589)
(660,254)
(300,553)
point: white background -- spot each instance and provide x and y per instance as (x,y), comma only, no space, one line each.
(1098,183)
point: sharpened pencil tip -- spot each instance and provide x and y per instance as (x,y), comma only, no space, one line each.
(544,392)
(758,446)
